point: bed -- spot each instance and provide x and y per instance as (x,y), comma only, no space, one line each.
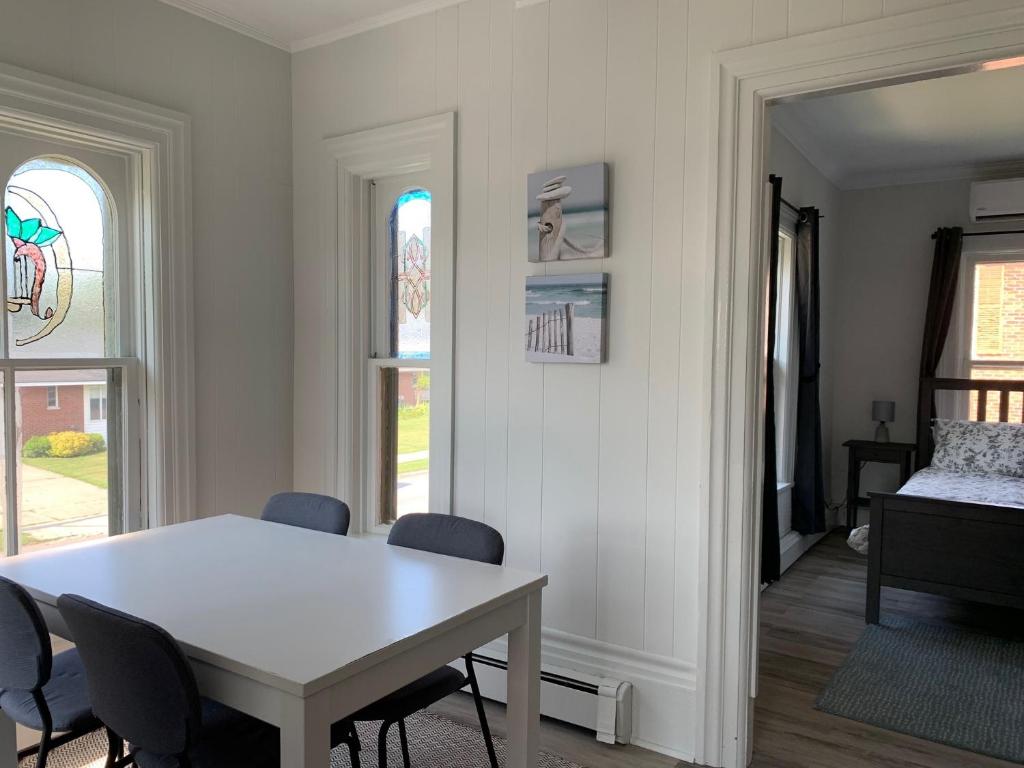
(953,533)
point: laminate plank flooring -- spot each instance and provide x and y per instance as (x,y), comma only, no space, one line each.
(810,620)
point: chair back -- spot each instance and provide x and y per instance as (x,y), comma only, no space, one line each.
(449,535)
(26,658)
(140,683)
(308,510)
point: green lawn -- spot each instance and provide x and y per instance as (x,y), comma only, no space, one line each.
(90,469)
(414,429)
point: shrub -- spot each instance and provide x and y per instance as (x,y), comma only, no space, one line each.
(96,443)
(65,445)
(36,447)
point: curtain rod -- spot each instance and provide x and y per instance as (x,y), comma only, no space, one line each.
(794,208)
(986,234)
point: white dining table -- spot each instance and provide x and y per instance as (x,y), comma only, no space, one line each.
(300,628)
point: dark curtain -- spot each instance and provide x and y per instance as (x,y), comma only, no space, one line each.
(769,493)
(809,479)
(941,295)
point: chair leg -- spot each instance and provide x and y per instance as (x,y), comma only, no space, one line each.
(354,746)
(405,744)
(479,701)
(382,745)
(44,750)
(115,749)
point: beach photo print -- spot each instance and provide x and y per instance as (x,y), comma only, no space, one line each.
(565,318)
(567,214)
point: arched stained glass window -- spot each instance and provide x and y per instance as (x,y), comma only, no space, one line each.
(410,254)
(59,219)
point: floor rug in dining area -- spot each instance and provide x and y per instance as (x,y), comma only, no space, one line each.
(434,742)
(935,682)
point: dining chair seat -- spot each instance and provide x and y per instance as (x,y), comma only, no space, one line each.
(409,699)
(228,739)
(66,694)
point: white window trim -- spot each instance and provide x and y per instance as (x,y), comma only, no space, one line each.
(427,144)
(786,345)
(156,143)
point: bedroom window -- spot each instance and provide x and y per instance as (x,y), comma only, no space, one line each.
(786,360)
(996,344)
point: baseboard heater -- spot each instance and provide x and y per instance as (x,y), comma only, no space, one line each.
(599,704)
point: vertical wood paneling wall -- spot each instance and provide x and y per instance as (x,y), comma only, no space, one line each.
(593,473)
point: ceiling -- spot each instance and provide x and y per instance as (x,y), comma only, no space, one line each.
(964,126)
(295,25)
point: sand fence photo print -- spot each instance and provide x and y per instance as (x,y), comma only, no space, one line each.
(565,318)
(567,213)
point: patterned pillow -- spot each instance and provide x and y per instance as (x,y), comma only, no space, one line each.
(978,446)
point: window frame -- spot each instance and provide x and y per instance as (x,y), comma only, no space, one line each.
(426,145)
(55,406)
(158,381)
(786,348)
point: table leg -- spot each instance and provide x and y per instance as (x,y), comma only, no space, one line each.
(306,733)
(8,742)
(524,688)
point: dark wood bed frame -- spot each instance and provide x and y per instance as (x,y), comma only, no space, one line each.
(956,549)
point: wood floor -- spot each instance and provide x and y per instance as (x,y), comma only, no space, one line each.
(810,620)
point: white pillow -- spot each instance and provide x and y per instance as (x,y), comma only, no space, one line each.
(979,446)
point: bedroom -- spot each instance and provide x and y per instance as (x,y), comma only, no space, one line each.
(890,230)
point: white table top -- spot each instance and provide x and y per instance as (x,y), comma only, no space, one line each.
(282,605)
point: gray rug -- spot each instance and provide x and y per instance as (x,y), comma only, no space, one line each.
(434,742)
(941,684)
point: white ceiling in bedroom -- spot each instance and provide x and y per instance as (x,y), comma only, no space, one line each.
(298,24)
(963,126)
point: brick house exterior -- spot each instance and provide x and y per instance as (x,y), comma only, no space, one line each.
(38,418)
(999,328)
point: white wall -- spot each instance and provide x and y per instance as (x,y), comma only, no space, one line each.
(804,185)
(236,91)
(592,472)
(885,273)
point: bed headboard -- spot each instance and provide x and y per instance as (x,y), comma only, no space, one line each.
(987,389)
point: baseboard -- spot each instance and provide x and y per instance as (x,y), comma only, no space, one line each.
(663,709)
(793,545)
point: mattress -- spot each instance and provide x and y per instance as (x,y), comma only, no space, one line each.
(999,490)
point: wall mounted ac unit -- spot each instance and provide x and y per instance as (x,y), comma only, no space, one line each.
(997,200)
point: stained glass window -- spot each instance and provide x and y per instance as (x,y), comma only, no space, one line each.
(410,321)
(58,224)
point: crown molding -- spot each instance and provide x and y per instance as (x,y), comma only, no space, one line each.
(190,6)
(373,22)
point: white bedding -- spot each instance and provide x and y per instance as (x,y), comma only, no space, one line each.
(1000,490)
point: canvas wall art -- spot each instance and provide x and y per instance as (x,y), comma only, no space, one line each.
(566,318)
(567,213)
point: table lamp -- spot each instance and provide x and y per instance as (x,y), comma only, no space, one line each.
(882,411)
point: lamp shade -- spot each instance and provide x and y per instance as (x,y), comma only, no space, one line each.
(883,410)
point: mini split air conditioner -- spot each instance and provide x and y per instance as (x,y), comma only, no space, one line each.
(997,200)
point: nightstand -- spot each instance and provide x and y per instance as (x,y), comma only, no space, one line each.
(863,451)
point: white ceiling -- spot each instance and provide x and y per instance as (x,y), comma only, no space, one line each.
(295,25)
(964,126)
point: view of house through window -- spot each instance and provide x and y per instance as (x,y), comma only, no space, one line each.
(997,331)
(404,464)
(58,223)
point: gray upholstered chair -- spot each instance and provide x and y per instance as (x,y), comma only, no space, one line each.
(38,690)
(308,510)
(442,535)
(145,692)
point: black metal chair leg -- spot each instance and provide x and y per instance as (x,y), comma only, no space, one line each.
(115,749)
(382,745)
(405,744)
(44,750)
(354,746)
(478,700)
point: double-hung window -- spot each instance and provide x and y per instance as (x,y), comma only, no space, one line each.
(401,305)
(994,346)
(66,372)
(787,375)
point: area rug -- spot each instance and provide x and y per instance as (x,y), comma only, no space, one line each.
(434,742)
(938,683)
